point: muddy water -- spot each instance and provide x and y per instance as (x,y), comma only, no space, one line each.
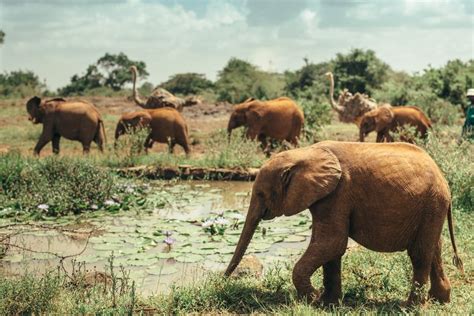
(136,237)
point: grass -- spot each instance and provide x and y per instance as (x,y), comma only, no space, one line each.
(372,283)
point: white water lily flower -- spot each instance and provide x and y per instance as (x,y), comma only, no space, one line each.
(43,206)
(208,223)
(221,221)
(110,202)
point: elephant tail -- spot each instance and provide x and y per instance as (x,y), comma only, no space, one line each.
(456,259)
(102,130)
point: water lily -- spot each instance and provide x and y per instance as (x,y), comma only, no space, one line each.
(207,223)
(221,221)
(94,207)
(110,202)
(43,207)
(169,240)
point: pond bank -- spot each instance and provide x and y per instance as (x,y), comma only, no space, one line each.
(187,172)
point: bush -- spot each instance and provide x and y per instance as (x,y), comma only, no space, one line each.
(187,83)
(20,84)
(316,114)
(457,163)
(53,186)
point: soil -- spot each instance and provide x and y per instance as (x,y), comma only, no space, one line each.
(203,119)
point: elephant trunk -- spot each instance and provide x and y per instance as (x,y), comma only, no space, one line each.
(361,135)
(119,130)
(230,127)
(136,98)
(338,108)
(251,223)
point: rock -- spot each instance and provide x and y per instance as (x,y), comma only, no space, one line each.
(249,266)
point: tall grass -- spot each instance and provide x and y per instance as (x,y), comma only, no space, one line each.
(53,185)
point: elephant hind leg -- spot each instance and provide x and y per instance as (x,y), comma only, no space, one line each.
(440,286)
(332,282)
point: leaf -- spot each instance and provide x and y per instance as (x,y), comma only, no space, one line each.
(189,258)
(162,270)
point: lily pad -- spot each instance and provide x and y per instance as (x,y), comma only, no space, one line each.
(189,258)
(162,270)
(15,258)
(295,238)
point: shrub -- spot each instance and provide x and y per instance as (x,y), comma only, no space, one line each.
(54,186)
(316,114)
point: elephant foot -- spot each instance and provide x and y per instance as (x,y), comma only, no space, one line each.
(441,295)
(309,295)
(328,299)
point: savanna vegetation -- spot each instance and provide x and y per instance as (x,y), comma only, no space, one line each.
(72,186)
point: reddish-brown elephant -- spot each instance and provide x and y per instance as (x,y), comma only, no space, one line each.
(74,120)
(386,119)
(166,125)
(403,208)
(131,122)
(280,119)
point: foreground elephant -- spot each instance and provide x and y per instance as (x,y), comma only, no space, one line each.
(166,125)
(131,122)
(387,119)
(387,197)
(75,120)
(280,119)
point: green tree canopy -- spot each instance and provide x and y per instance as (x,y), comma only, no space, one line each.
(359,71)
(239,80)
(111,71)
(187,83)
(20,83)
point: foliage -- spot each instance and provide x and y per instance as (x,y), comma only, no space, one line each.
(359,71)
(317,113)
(52,186)
(307,78)
(457,163)
(240,80)
(20,84)
(187,83)
(111,71)
(2,36)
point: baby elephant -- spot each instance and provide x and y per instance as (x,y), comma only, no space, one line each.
(387,119)
(166,125)
(131,122)
(403,208)
(75,120)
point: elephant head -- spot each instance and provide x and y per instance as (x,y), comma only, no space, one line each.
(287,184)
(239,115)
(35,112)
(376,120)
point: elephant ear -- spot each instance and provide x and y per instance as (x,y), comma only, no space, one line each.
(33,104)
(308,180)
(383,118)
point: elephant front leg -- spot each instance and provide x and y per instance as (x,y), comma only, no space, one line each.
(56,139)
(43,140)
(320,253)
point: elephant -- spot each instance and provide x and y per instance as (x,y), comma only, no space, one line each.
(132,121)
(386,118)
(280,119)
(75,120)
(166,125)
(350,107)
(403,208)
(160,97)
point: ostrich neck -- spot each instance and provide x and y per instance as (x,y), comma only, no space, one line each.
(136,97)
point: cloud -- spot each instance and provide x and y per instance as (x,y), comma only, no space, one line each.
(57,39)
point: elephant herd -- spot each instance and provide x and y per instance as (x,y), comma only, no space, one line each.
(279,119)
(387,197)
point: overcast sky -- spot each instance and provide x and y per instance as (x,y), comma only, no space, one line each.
(59,38)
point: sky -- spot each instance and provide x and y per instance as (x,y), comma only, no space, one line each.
(59,38)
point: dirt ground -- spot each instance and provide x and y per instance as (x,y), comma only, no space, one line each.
(202,119)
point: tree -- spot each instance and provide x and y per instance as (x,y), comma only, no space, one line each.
(239,80)
(2,36)
(187,83)
(359,71)
(112,71)
(117,70)
(20,83)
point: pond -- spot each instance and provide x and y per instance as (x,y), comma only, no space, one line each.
(182,231)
